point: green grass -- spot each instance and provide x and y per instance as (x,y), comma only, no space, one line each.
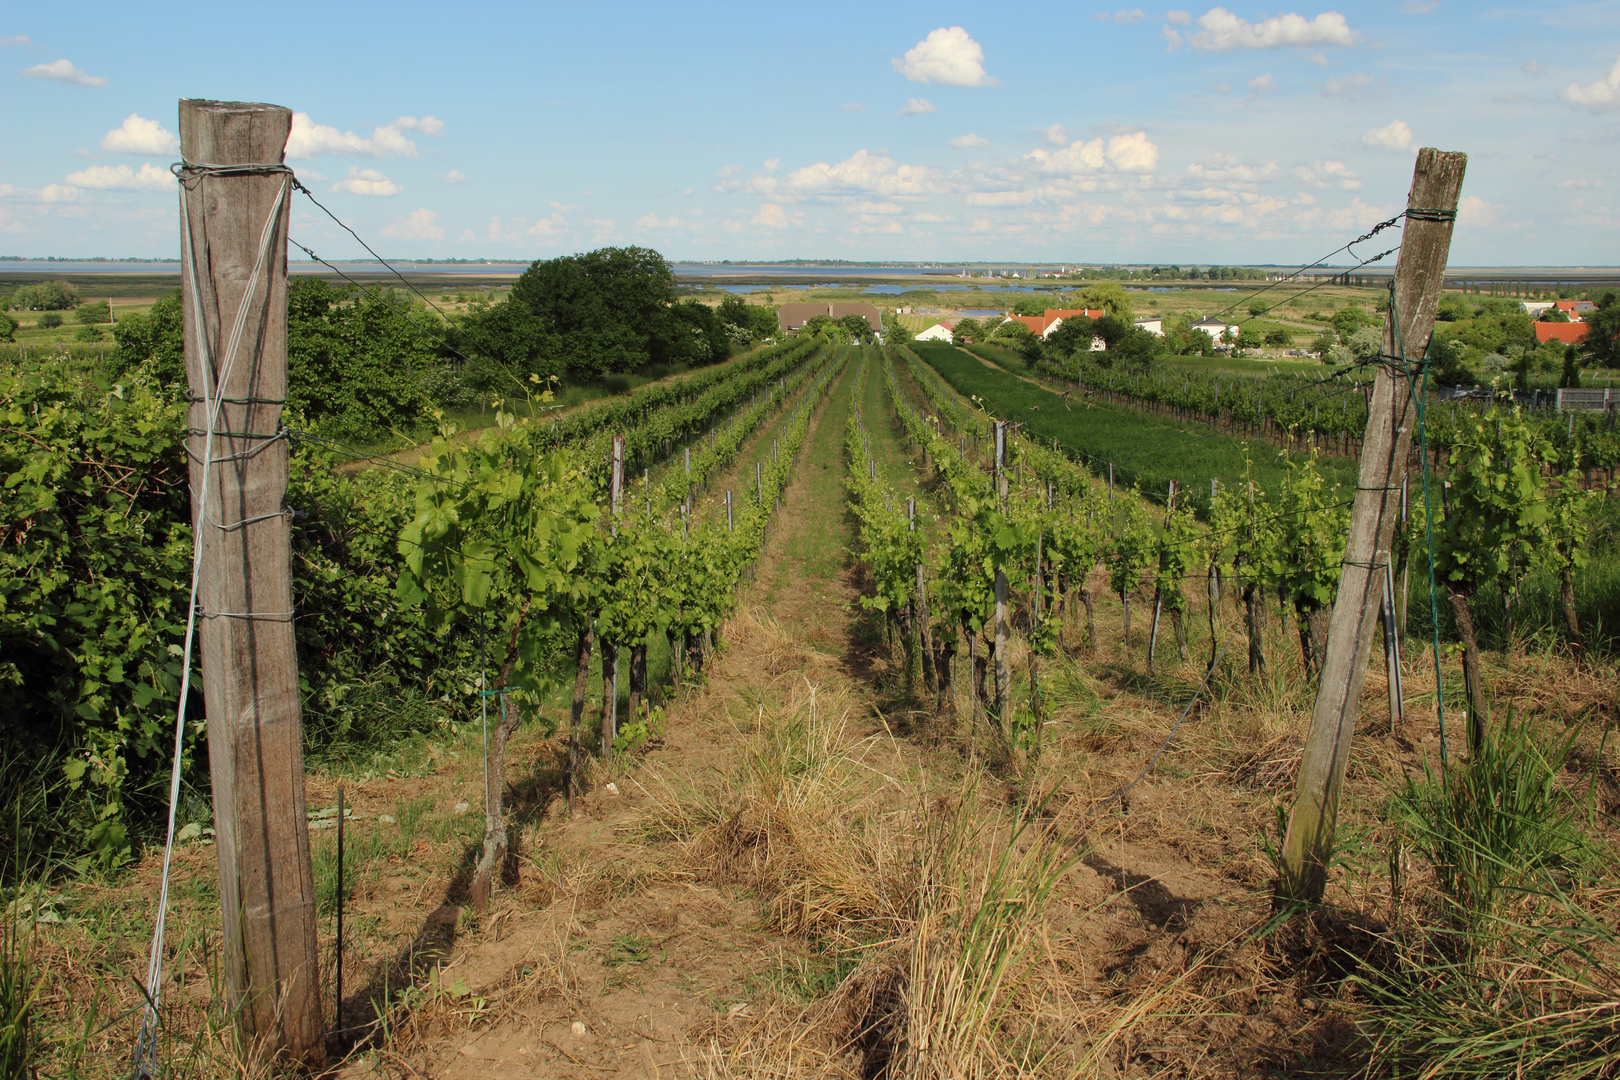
(1144,448)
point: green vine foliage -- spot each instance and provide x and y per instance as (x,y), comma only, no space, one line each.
(1301,541)
(1134,546)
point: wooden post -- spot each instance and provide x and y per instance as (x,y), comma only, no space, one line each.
(1392,413)
(610,649)
(1003,638)
(232,262)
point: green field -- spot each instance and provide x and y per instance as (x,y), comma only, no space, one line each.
(1144,448)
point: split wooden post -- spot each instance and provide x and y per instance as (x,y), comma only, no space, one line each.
(1392,413)
(235,240)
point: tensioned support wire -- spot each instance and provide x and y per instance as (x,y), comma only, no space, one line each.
(191,176)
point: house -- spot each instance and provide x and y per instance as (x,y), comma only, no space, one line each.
(1568,333)
(1216,329)
(1534,308)
(1042,325)
(940,331)
(794,316)
(1153,326)
(1575,309)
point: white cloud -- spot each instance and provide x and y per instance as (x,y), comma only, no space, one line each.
(1179,18)
(1225,167)
(861,173)
(422,224)
(1260,84)
(1133,152)
(1131,16)
(867,206)
(947,55)
(964,142)
(1346,84)
(853,106)
(428,125)
(1221,31)
(1393,136)
(1473,210)
(137,135)
(651,220)
(551,225)
(20,39)
(309,139)
(1531,67)
(1221,87)
(1057,136)
(63,71)
(1580,183)
(122,178)
(1328,174)
(1319,59)
(772,216)
(367,182)
(772,164)
(1602,94)
(59,193)
(917,106)
(728,171)
(454,176)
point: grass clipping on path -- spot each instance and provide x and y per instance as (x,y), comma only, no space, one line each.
(939,900)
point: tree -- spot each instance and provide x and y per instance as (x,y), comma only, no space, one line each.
(1554,314)
(857,328)
(894,331)
(1013,332)
(8,327)
(1350,319)
(967,329)
(697,336)
(756,321)
(50,320)
(1073,334)
(1602,343)
(1108,295)
(609,309)
(1030,305)
(45,296)
(1279,338)
(155,339)
(825,326)
(90,314)
(1571,377)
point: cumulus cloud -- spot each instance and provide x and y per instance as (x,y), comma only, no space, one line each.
(1600,95)
(63,71)
(1395,136)
(1328,174)
(59,193)
(1225,167)
(1221,31)
(772,216)
(1346,84)
(947,55)
(1260,84)
(1473,210)
(1132,16)
(420,224)
(428,125)
(917,106)
(964,142)
(772,164)
(1133,152)
(651,220)
(138,135)
(20,39)
(1178,18)
(861,173)
(121,178)
(454,176)
(367,182)
(1581,182)
(309,139)
(1057,136)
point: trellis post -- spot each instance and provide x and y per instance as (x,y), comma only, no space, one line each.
(1391,415)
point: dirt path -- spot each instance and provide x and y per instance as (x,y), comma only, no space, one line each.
(608,956)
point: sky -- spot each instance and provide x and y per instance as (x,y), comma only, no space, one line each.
(1018,132)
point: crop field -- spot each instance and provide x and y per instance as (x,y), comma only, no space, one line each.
(1144,449)
(825,744)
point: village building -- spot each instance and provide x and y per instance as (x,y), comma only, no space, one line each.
(940,331)
(1567,333)
(792,317)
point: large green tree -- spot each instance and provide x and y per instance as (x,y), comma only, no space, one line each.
(608,309)
(1603,332)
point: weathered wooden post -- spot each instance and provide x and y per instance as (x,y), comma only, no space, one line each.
(1392,412)
(1003,637)
(237,199)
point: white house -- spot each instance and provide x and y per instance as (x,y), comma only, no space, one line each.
(940,331)
(1152,326)
(1534,308)
(1216,329)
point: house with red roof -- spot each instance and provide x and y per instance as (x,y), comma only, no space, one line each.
(1568,333)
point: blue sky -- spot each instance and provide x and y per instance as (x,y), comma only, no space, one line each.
(1019,132)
